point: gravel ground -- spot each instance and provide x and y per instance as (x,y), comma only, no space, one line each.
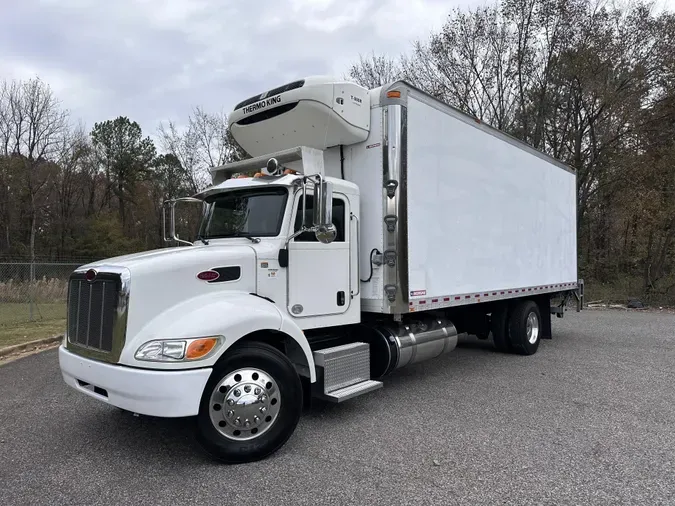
(589,419)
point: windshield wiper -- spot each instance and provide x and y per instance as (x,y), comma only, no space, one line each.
(236,234)
(252,239)
(204,241)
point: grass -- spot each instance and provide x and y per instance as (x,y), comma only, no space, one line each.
(23,333)
(16,313)
(44,290)
(20,321)
(16,327)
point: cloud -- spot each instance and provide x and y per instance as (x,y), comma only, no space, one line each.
(153,60)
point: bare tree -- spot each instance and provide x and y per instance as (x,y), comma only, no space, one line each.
(374,70)
(184,147)
(32,126)
(206,142)
(32,121)
(474,64)
(69,184)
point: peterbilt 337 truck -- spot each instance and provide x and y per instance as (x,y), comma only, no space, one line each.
(367,231)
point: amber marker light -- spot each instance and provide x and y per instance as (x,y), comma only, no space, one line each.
(393,94)
(200,347)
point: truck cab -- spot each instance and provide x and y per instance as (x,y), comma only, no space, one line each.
(276,256)
(274,217)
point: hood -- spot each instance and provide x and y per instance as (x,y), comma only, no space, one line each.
(161,279)
(134,259)
(195,257)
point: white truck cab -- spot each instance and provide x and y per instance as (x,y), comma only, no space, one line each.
(343,259)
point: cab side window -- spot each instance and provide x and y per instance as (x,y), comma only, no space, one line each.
(338,220)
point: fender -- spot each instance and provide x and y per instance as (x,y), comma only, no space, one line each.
(231,314)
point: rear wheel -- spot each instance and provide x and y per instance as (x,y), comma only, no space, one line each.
(525,327)
(250,405)
(499,329)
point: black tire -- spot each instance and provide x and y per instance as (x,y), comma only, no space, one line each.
(499,330)
(518,327)
(271,361)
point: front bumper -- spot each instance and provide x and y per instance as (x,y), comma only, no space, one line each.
(146,392)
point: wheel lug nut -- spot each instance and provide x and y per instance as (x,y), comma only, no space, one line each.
(247,388)
(230,414)
(263,410)
(230,402)
(237,392)
(263,398)
(256,419)
(237,421)
(247,423)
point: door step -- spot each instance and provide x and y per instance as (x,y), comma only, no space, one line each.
(349,392)
(343,372)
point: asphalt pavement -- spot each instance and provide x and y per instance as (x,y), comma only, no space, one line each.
(589,419)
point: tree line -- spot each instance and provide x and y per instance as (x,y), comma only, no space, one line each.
(588,82)
(67,193)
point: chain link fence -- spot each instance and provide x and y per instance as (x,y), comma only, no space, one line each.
(33,298)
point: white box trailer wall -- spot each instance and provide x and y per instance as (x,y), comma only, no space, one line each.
(485,213)
(471,215)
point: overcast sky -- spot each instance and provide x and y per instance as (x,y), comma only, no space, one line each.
(152,60)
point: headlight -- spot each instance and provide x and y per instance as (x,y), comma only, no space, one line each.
(178,350)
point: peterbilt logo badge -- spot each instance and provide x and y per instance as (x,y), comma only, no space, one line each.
(208,275)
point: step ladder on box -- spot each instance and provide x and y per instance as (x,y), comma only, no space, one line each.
(343,372)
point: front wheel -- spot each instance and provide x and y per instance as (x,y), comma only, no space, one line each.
(250,405)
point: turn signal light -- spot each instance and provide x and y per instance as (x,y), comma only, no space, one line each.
(393,94)
(200,347)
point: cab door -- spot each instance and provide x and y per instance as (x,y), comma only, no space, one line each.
(319,274)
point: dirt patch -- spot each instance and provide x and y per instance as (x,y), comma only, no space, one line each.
(32,350)
(623,307)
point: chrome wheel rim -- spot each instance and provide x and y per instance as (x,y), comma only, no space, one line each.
(532,327)
(245,404)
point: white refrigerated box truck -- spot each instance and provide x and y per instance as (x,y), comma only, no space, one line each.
(379,225)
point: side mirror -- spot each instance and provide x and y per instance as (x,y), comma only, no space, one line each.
(170,205)
(325,231)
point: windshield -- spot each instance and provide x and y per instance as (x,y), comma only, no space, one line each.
(250,212)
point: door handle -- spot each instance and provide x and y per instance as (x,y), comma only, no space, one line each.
(352,216)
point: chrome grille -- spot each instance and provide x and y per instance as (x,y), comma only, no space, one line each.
(92,310)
